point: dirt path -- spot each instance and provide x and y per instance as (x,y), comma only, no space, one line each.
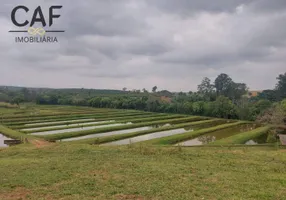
(39,143)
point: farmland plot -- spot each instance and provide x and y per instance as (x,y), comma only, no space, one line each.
(121,127)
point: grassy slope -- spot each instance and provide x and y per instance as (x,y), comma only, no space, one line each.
(87,172)
(243,137)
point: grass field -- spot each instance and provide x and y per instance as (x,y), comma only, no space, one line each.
(58,162)
(70,171)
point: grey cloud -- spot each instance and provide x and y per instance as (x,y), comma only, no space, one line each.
(138,44)
(269,6)
(104,18)
(187,7)
(247,37)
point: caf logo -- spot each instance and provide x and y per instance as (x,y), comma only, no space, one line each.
(37,18)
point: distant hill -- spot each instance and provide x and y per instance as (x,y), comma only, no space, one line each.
(7,93)
(101,91)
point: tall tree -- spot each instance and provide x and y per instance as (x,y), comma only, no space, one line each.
(25,93)
(206,88)
(144,90)
(236,91)
(281,86)
(223,84)
(17,100)
(154,89)
(228,88)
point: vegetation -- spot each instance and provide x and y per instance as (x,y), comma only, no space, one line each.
(13,134)
(59,114)
(244,137)
(7,105)
(89,172)
(44,123)
(100,140)
(62,120)
(60,136)
(74,170)
(274,115)
(222,98)
(174,139)
(75,116)
(123,120)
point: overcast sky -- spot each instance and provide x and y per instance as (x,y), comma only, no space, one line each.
(141,43)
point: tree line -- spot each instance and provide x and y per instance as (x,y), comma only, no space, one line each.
(222,98)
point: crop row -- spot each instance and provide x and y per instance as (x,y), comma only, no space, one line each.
(243,137)
(64,116)
(133,119)
(98,119)
(174,139)
(25,116)
(13,134)
(75,118)
(196,124)
(60,136)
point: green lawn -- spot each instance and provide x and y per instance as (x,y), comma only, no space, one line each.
(70,171)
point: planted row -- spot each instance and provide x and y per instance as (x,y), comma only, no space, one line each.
(101,140)
(18,124)
(13,134)
(76,121)
(25,116)
(133,119)
(174,139)
(107,129)
(110,120)
(243,137)
(6,121)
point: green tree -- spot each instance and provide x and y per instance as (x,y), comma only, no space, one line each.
(154,89)
(198,107)
(237,90)
(152,104)
(17,100)
(226,87)
(270,95)
(26,94)
(188,107)
(223,108)
(144,90)
(223,84)
(244,109)
(281,86)
(262,105)
(206,89)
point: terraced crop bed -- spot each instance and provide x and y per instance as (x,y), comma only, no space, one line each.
(121,127)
